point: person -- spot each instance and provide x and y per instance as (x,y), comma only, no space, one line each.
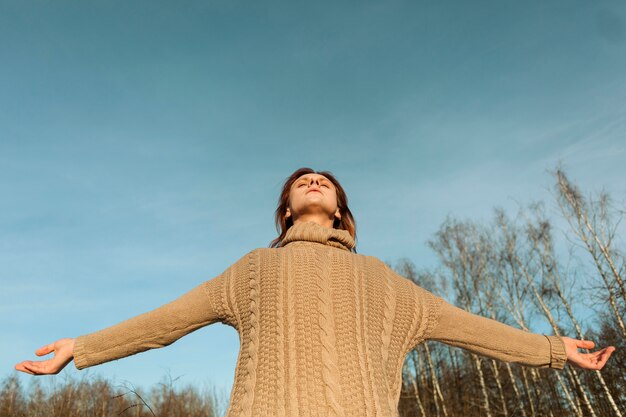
(323,330)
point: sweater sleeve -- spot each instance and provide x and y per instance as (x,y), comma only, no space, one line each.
(496,340)
(206,304)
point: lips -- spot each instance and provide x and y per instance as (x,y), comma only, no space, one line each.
(314,191)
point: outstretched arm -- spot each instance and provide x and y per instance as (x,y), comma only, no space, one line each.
(499,341)
(155,329)
(160,327)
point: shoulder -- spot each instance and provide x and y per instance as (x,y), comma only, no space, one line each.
(374,262)
(394,277)
(377,267)
(258,253)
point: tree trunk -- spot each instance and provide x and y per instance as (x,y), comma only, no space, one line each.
(518,397)
(483,385)
(433,375)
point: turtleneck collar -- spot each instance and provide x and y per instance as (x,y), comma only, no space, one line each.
(314,232)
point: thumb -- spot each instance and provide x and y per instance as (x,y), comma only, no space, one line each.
(44,350)
(585,344)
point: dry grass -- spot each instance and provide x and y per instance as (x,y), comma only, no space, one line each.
(97,397)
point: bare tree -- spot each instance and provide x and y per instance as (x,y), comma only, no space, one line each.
(462,251)
(527,267)
(510,271)
(427,281)
(539,234)
(592,221)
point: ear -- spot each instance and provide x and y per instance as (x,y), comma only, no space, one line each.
(338,214)
(288,213)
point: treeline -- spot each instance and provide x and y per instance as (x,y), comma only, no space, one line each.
(509,270)
(98,397)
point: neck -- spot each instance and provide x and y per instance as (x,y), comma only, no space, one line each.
(319,219)
(315,233)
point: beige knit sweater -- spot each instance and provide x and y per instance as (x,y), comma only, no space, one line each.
(323,331)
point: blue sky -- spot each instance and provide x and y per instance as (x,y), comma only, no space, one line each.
(143,144)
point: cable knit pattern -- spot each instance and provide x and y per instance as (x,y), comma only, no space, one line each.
(251,359)
(279,352)
(388,315)
(330,372)
(361,342)
(324,331)
(369,341)
(291,346)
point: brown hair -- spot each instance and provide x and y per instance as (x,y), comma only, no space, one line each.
(283,224)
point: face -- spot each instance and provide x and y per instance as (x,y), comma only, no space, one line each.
(313,195)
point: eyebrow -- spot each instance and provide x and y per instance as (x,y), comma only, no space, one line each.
(307,178)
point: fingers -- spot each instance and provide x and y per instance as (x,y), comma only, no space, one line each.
(29,367)
(598,353)
(22,368)
(594,361)
(33,368)
(604,356)
(41,368)
(48,367)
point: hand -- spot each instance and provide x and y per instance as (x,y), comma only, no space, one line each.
(63,354)
(594,360)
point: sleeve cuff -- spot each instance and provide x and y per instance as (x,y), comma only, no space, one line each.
(558,356)
(79,356)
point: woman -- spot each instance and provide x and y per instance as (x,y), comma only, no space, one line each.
(322,329)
